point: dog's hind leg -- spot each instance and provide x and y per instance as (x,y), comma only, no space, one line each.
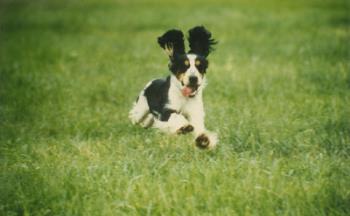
(147,121)
(140,112)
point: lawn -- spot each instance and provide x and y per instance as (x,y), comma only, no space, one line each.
(278,96)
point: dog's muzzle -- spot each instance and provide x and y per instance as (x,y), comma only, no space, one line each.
(189,90)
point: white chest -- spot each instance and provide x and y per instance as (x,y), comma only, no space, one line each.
(183,104)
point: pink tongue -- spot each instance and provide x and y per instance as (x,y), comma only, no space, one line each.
(186,91)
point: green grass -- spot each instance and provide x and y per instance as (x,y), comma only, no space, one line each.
(278,96)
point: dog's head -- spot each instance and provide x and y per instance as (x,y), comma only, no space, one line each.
(189,68)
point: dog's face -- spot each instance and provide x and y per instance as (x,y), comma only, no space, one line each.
(189,68)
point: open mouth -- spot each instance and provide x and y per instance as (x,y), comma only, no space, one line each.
(189,90)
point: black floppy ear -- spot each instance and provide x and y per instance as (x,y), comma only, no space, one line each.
(172,42)
(200,41)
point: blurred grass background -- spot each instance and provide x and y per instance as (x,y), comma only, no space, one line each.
(278,96)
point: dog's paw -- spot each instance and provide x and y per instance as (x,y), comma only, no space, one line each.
(206,140)
(202,141)
(176,122)
(185,129)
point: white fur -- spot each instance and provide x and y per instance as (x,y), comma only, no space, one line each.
(174,123)
(213,137)
(140,113)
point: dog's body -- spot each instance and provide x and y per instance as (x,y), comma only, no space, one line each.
(175,104)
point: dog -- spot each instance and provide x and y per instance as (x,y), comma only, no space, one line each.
(175,104)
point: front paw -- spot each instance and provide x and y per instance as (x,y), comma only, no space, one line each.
(176,122)
(202,141)
(206,141)
(185,129)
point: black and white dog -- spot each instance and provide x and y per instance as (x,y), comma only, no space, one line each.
(175,104)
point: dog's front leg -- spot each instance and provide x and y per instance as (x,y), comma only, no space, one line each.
(204,138)
(174,123)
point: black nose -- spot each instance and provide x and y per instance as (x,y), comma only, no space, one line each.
(193,80)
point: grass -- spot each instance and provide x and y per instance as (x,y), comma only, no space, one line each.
(278,96)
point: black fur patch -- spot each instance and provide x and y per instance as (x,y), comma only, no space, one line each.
(185,129)
(157,97)
(200,41)
(202,141)
(203,64)
(177,65)
(175,39)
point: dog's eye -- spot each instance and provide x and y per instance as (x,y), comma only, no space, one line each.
(197,62)
(187,63)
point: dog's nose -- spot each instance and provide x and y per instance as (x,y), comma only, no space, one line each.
(193,80)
